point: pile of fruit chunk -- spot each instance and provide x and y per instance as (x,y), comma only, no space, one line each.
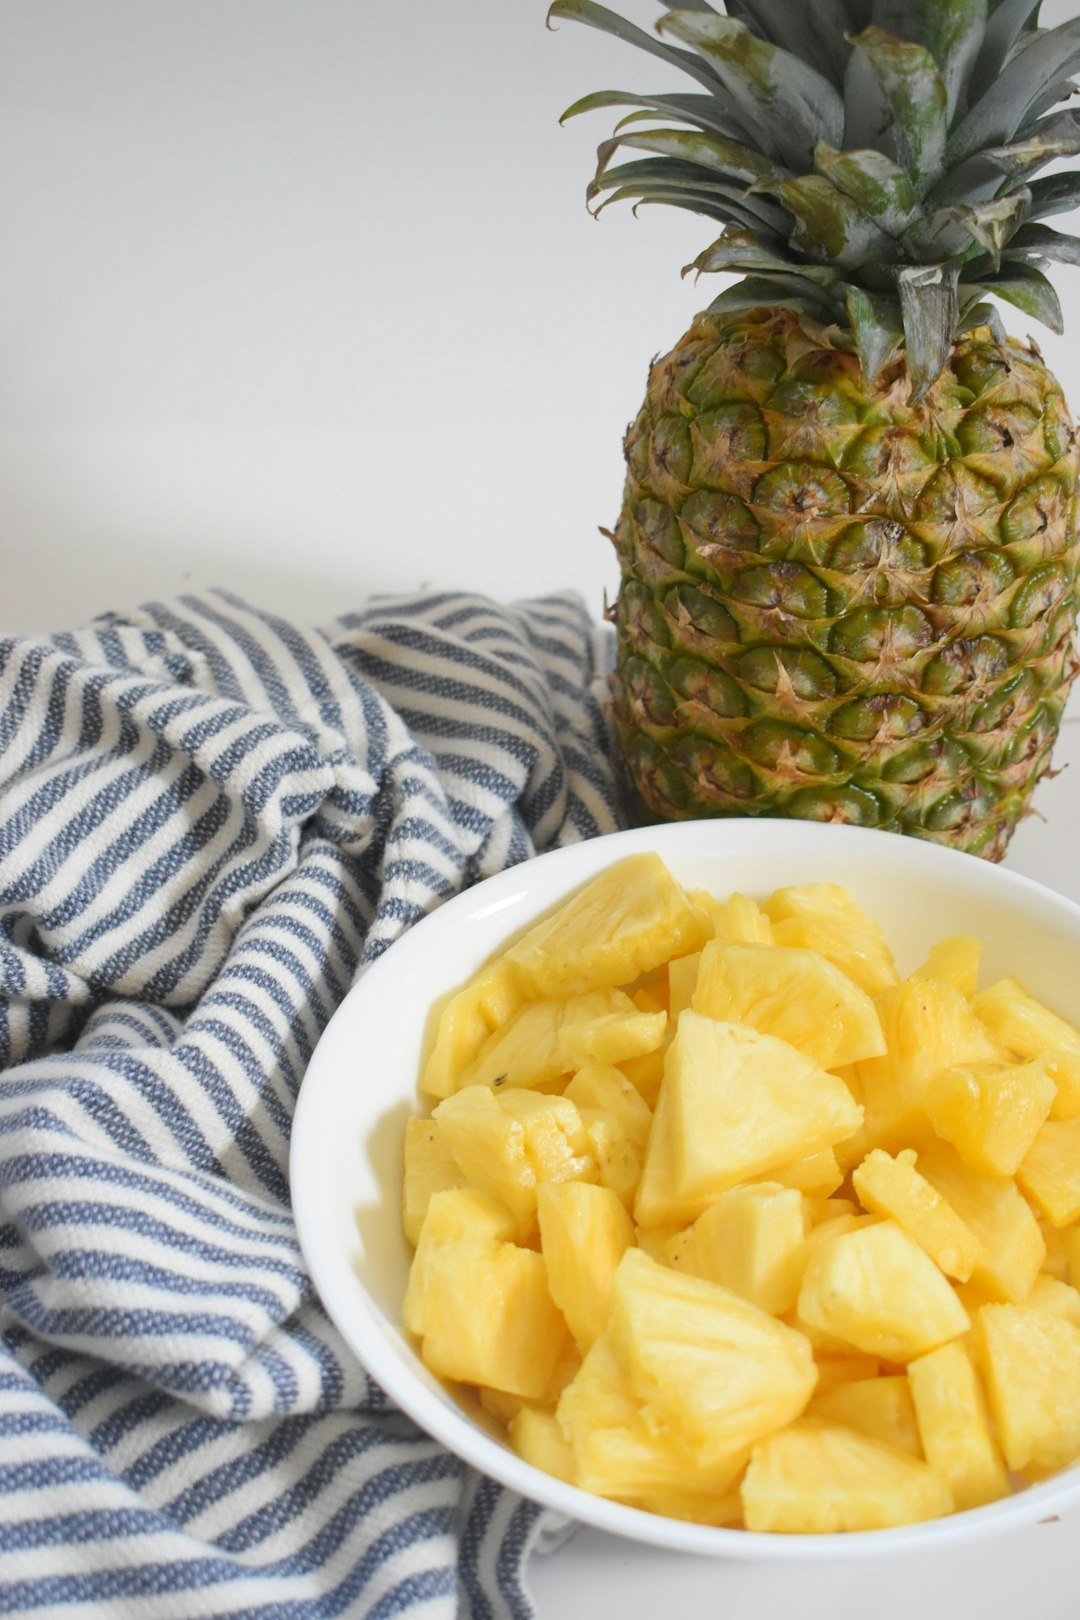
(722,1219)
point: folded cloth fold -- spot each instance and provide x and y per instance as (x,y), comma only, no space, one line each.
(210,819)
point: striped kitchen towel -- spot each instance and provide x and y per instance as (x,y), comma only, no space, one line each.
(209,818)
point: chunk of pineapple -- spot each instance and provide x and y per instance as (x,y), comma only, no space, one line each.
(734,1104)
(626,922)
(928,1027)
(716,1369)
(430,1167)
(480,1304)
(621,1453)
(954,961)
(877,1290)
(467,1021)
(505,1407)
(817,1176)
(584,1233)
(823,917)
(682,978)
(1063,1067)
(879,1407)
(740,919)
(1021,1024)
(617,1122)
(1031,1362)
(818,1209)
(545,1039)
(1012,1247)
(894,1188)
(1059,1298)
(954,1425)
(796,995)
(508,1142)
(751,1241)
(1050,1173)
(537,1437)
(817,1477)
(646,1075)
(844,1369)
(991,1112)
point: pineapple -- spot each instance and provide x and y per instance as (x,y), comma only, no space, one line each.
(954,1426)
(816,1477)
(742,920)
(823,917)
(1022,1024)
(1050,1173)
(1059,1298)
(880,1407)
(507,1143)
(894,1188)
(1031,1361)
(538,1437)
(714,1368)
(630,919)
(617,1122)
(991,1112)
(751,1241)
(797,995)
(584,1233)
(430,1167)
(1011,1245)
(734,1104)
(848,541)
(545,1039)
(877,1291)
(466,1022)
(955,961)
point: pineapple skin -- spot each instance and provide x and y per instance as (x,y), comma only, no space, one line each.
(839,606)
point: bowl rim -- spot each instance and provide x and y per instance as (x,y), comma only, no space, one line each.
(361,1324)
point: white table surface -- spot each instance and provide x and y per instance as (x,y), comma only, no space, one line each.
(1034,1573)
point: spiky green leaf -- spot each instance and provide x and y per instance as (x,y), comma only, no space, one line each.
(953,33)
(929,310)
(877,184)
(748,250)
(1037,241)
(979,314)
(789,101)
(608,22)
(1041,70)
(1029,290)
(715,153)
(949,232)
(813,30)
(1055,194)
(896,101)
(709,204)
(876,327)
(827,223)
(704,112)
(980,176)
(1004,26)
(675,175)
(776,292)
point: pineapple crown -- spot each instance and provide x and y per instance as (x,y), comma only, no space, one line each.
(872,161)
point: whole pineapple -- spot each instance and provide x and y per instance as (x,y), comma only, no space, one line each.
(848,541)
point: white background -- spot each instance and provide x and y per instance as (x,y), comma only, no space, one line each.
(300,297)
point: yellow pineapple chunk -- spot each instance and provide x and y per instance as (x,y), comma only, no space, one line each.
(627,921)
(954,961)
(1071,1239)
(1011,1245)
(621,1453)
(878,1290)
(545,1039)
(467,1021)
(991,1112)
(508,1142)
(741,920)
(617,1122)
(819,1209)
(751,1241)
(734,1104)
(682,978)
(1059,1298)
(584,1233)
(481,1305)
(798,996)
(852,1368)
(928,1027)
(817,1477)
(1050,1173)
(1021,1024)
(430,1167)
(894,1188)
(1063,1067)
(823,917)
(717,1370)
(646,1075)
(1031,1363)
(505,1407)
(879,1407)
(1056,1239)
(954,1425)
(538,1438)
(818,1176)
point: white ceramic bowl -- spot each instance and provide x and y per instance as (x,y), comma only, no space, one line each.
(361,1086)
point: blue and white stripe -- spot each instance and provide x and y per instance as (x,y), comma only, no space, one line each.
(209,819)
